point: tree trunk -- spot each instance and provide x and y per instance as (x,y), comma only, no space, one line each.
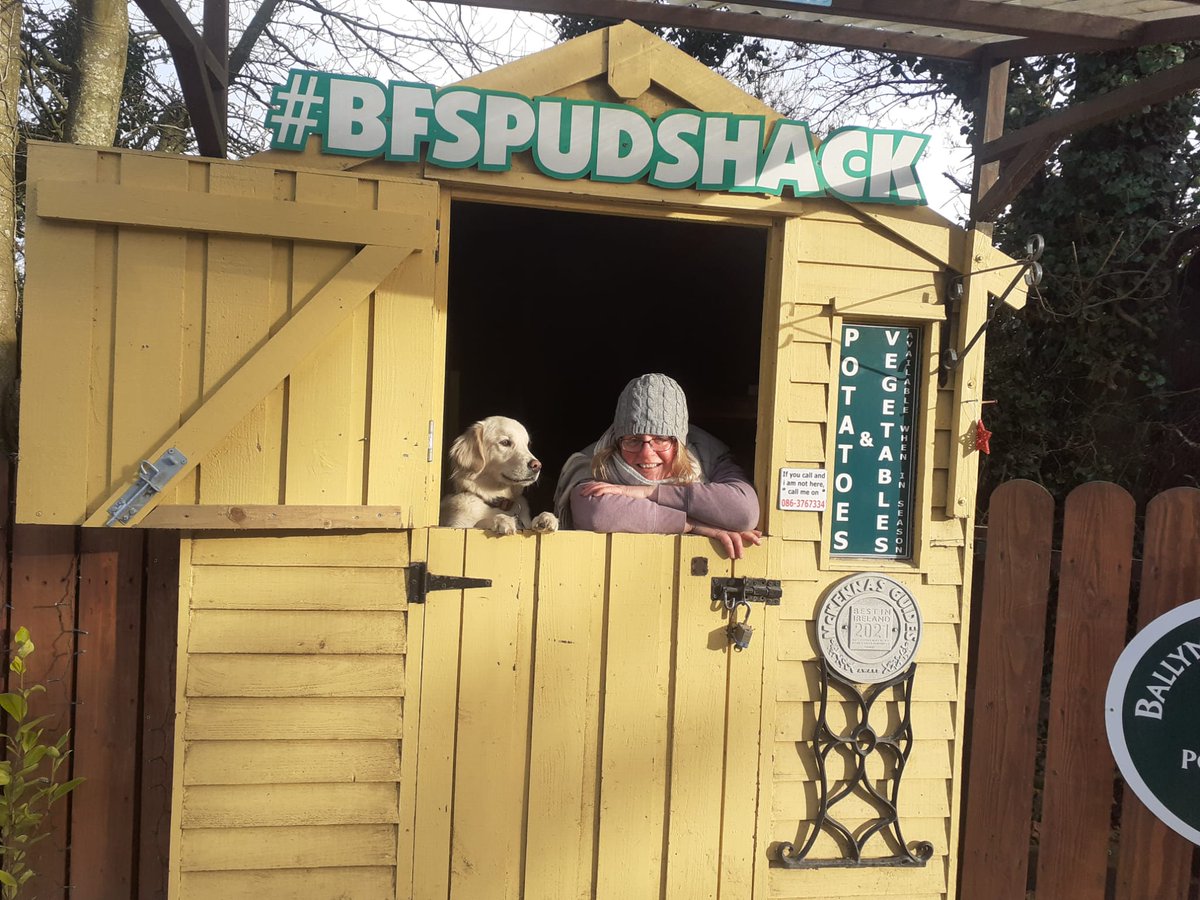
(11,15)
(104,43)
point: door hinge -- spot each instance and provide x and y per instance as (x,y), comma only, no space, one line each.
(420,581)
(734,591)
(151,478)
(437,248)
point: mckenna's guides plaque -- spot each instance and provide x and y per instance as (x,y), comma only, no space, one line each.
(869,628)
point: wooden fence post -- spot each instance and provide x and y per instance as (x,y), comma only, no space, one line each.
(1089,634)
(158,713)
(1155,863)
(95,602)
(44,589)
(1004,739)
(103,809)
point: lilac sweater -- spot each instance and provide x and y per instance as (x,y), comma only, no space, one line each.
(727,501)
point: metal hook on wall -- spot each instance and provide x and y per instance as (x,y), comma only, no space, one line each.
(1029,270)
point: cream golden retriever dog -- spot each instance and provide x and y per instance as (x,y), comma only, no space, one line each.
(490,467)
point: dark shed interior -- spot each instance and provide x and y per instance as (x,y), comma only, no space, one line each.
(551,313)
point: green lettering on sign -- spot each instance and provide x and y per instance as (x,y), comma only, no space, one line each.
(1150,712)
(875,446)
(459,127)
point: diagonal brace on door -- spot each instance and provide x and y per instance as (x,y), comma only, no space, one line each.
(269,365)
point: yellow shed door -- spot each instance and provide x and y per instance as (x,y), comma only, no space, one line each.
(580,728)
(584,727)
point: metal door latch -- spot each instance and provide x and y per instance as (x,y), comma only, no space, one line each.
(735,594)
(152,477)
(419,581)
(732,591)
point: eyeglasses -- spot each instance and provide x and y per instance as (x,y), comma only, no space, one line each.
(633,443)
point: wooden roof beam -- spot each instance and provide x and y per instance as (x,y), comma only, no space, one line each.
(1022,153)
(973,15)
(800,31)
(1156,88)
(203,75)
(990,122)
(1181,28)
(1168,31)
(1013,176)
(216,40)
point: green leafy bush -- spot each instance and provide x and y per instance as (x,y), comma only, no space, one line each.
(29,782)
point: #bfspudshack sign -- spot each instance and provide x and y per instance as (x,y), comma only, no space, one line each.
(465,127)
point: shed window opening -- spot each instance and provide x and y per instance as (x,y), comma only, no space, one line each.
(551,313)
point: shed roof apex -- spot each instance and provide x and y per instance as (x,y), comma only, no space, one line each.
(629,59)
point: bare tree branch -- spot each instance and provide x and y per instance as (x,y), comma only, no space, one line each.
(245,45)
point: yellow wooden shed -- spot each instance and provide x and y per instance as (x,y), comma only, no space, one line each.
(273,355)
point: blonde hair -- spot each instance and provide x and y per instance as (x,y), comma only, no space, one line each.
(683,469)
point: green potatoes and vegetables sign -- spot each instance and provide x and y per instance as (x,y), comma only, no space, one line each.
(874,442)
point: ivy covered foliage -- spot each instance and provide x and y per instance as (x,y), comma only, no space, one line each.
(1097,377)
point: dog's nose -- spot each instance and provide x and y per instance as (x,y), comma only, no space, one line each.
(535,465)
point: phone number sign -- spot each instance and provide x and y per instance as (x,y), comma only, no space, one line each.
(875,442)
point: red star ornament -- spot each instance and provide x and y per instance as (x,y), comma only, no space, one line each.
(982,437)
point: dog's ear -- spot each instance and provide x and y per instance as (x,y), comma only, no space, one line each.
(466,453)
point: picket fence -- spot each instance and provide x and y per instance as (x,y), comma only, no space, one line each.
(1046,816)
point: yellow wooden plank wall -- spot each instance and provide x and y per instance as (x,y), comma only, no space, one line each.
(407,326)
(80,278)
(244,468)
(148,337)
(832,269)
(129,327)
(324,464)
(928,785)
(292,712)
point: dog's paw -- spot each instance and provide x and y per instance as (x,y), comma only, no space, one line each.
(504,525)
(545,523)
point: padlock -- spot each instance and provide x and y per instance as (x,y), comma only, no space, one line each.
(740,634)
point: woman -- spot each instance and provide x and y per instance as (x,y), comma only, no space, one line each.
(652,473)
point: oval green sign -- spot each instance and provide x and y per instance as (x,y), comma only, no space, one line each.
(1153,726)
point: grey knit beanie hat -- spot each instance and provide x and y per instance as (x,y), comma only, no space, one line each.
(652,404)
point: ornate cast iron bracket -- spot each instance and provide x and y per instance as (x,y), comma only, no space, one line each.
(859,745)
(1028,268)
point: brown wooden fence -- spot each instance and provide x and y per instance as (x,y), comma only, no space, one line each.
(1044,812)
(101,608)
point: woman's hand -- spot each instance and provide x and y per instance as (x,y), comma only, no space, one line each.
(734,542)
(604,489)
